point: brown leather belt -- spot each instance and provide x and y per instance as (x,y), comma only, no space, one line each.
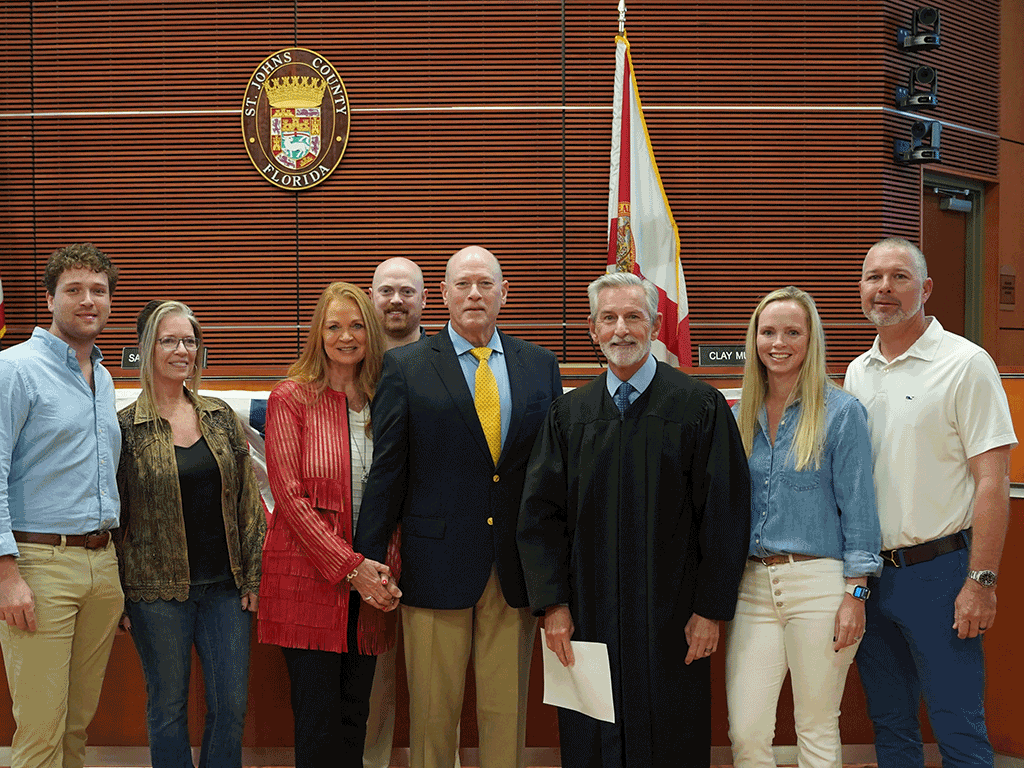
(91,540)
(922,553)
(780,559)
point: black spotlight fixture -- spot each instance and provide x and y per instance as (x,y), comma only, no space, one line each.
(923,34)
(921,91)
(923,146)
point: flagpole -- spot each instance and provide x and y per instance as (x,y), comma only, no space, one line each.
(622,16)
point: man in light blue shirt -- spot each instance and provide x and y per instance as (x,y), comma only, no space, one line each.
(60,595)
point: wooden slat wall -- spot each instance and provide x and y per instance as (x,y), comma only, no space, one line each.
(772,124)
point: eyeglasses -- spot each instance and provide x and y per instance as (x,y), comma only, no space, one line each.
(170,343)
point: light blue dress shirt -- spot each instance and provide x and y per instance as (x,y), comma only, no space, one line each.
(498,367)
(829,512)
(640,380)
(59,442)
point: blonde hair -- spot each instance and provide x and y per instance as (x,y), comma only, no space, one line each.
(148,341)
(311,367)
(811,384)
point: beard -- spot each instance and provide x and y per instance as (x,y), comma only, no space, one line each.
(891,315)
(398,325)
(624,357)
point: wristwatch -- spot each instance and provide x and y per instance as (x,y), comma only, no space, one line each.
(859,592)
(985,578)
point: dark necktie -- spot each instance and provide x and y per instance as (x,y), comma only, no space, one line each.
(622,396)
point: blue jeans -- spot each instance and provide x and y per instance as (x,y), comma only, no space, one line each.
(909,649)
(164,631)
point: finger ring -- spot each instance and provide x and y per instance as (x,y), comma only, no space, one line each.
(708,651)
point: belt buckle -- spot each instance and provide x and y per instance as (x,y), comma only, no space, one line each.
(893,558)
(92,539)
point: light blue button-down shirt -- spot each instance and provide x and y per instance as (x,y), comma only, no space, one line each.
(829,512)
(59,442)
(498,367)
(640,380)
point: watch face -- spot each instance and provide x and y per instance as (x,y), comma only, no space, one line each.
(985,578)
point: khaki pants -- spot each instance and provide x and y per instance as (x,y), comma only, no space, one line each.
(438,645)
(380,725)
(55,674)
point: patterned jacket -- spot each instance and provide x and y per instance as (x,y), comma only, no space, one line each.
(151,546)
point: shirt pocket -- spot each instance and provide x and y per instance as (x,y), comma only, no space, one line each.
(801,481)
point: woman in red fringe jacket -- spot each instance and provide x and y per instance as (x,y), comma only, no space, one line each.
(323,603)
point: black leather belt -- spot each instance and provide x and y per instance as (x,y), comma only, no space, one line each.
(922,553)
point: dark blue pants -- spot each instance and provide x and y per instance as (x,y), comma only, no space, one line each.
(164,631)
(910,649)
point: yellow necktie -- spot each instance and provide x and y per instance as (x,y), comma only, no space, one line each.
(488,405)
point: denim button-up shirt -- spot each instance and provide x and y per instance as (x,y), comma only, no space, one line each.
(59,442)
(829,511)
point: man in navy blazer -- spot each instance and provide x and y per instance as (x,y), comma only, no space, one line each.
(433,472)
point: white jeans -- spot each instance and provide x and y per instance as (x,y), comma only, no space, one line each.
(785,620)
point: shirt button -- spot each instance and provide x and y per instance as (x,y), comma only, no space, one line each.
(490,521)
(775,581)
(495,478)
(778,591)
(766,482)
(779,604)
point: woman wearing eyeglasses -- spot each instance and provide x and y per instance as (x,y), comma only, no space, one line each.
(190,542)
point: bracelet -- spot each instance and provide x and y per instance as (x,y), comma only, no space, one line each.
(352,575)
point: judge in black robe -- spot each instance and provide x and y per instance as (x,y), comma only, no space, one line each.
(637,522)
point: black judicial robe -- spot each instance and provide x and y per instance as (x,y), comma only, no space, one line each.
(636,523)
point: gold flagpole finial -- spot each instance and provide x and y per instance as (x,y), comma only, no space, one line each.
(622,16)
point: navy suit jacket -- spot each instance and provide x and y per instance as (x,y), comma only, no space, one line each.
(433,472)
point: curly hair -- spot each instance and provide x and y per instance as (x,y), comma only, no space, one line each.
(78,256)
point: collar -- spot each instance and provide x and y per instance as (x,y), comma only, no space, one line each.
(61,348)
(145,410)
(640,380)
(925,348)
(462,346)
(762,416)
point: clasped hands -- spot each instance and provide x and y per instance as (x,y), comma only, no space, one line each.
(374,583)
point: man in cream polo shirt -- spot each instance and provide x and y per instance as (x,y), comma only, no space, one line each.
(941,435)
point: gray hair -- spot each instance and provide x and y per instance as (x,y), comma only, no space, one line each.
(623,280)
(900,244)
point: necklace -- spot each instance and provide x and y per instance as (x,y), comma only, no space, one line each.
(357,432)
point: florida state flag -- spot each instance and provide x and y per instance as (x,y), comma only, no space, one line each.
(642,235)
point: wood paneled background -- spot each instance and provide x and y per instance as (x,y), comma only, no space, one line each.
(472,122)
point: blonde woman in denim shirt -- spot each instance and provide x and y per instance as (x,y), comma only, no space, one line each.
(814,537)
(192,527)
